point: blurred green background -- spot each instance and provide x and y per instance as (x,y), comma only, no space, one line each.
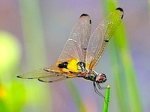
(32,35)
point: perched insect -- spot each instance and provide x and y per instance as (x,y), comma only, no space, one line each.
(81,52)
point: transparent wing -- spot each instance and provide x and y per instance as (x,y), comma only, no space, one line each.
(101,36)
(40,73)
(44,75)
(76,45)
(52,79)
(35,74)
(73,48)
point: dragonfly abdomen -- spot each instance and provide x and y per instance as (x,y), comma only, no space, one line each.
(73,66)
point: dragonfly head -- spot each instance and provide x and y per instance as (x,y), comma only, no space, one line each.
(101,78)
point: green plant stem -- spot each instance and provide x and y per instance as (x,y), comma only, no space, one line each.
(107,99)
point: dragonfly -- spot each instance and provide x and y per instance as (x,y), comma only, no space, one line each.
(81,52)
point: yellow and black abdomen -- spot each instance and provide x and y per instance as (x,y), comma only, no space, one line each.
(69,66)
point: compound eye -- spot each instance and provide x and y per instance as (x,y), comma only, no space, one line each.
(101,78)
(103,75)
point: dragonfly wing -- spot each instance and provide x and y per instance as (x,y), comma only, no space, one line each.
(101,36)
(73,49)
(52,79)
(39,73)
(78,40)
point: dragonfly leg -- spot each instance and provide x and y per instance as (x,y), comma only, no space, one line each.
(96,90)
(100,87)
